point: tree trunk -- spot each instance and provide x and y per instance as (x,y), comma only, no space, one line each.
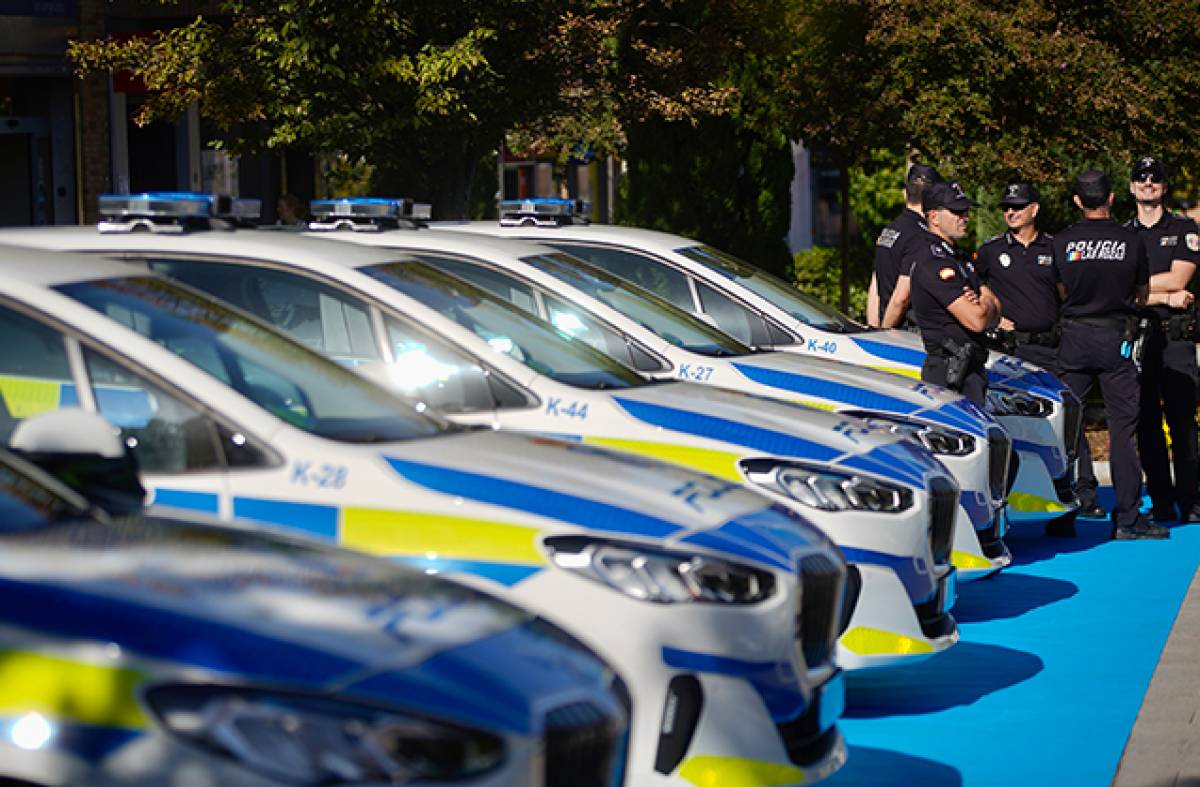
(844,234)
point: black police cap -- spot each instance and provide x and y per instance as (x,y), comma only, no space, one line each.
(946,195)
(1018,195)
(1148,165)
(924,173)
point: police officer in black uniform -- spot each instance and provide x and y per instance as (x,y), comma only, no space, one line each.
(1019,267)
(1105,276)
(949,304)
(1169,365)
(895,248)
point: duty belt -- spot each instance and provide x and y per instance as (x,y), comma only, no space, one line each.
(1182,326)
(1048,338)
(1114,322)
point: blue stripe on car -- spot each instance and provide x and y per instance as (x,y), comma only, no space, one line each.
(1050,455)
(826,389)
(913,572)
(507,574)
(307,518)
(890,352)
(208,502)
(728,431)
(776,682)
(533,499)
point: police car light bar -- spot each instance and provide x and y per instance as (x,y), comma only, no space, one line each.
(542,211)
(365,214)
(164,204)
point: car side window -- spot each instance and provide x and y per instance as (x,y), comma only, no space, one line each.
(496,282)
(315,314)
(35,375)
(442,377)
(167,435)
(578,324)
(733,318)
(646,272)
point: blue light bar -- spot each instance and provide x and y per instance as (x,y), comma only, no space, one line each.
(356,208)
(542,211)
(158,204)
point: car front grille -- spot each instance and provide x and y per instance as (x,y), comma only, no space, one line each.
(1072,424)
(819,618)
(999,448)
(943,506)
(582,743)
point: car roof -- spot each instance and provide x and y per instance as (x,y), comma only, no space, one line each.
(260,244)
(43,268)
(605,233)
(449,242)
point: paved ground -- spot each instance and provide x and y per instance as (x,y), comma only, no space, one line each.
(1164,747)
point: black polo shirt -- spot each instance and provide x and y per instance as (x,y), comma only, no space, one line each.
(941,274)
(1101,265)
(1170,238)
(895,248)
(1024,279)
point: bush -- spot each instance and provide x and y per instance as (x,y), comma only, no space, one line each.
(817,271)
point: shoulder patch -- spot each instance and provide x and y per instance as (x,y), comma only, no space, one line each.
(888,237)
(946,274)
(938,250)
(1192,240)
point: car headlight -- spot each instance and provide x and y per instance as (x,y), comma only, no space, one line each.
(659,576)
(935,439)
(1007,401)
(829,490)
(302,739)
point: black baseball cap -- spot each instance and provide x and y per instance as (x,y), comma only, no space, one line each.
(1093,187)
(946,195)
(924,173)
(1148,165)
(1018,195)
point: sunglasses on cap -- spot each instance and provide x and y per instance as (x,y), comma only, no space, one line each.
(1150,177)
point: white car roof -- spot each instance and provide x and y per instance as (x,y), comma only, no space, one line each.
(448,242)
(258,244)
(22,265)
(608,233)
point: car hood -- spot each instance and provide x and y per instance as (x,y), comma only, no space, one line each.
(280,612)
(771,427)
(599,492)
(867,389)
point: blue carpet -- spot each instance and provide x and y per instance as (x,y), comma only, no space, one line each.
(1044,686)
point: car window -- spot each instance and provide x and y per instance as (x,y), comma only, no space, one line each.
(733,318)
(508,287)
(507,329)
(645,308)
(35,375)
(165,434)
(802,306)
(291,381)
(646,272)
(331,322)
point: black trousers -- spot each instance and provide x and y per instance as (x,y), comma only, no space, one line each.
(1168,391)
(974,385)
(1090,354)
(1085,483)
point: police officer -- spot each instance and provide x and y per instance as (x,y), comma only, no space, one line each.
(895,248)
(1105,276)
(1169,365)
(949,304)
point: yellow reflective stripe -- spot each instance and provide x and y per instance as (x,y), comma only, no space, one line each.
(1033,504)
(721,464)
(907,371)
(867,641)
(462,538)
(965,560)
(27,397)
(69,690)
(828,407)
(712,771)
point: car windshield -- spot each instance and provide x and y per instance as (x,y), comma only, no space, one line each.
(508,329)
(648,310)
(26,504)
(804,308)
(292,382)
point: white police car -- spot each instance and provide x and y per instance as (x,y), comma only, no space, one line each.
(659,341)
(716,606)
(1041,416)
(141,649)
(341,301)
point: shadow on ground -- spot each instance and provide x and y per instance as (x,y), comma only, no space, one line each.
(959,676)
(1008,595)
(1029,543)
(883,768)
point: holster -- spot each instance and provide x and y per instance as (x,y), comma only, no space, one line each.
(1183,326)
(962,358)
